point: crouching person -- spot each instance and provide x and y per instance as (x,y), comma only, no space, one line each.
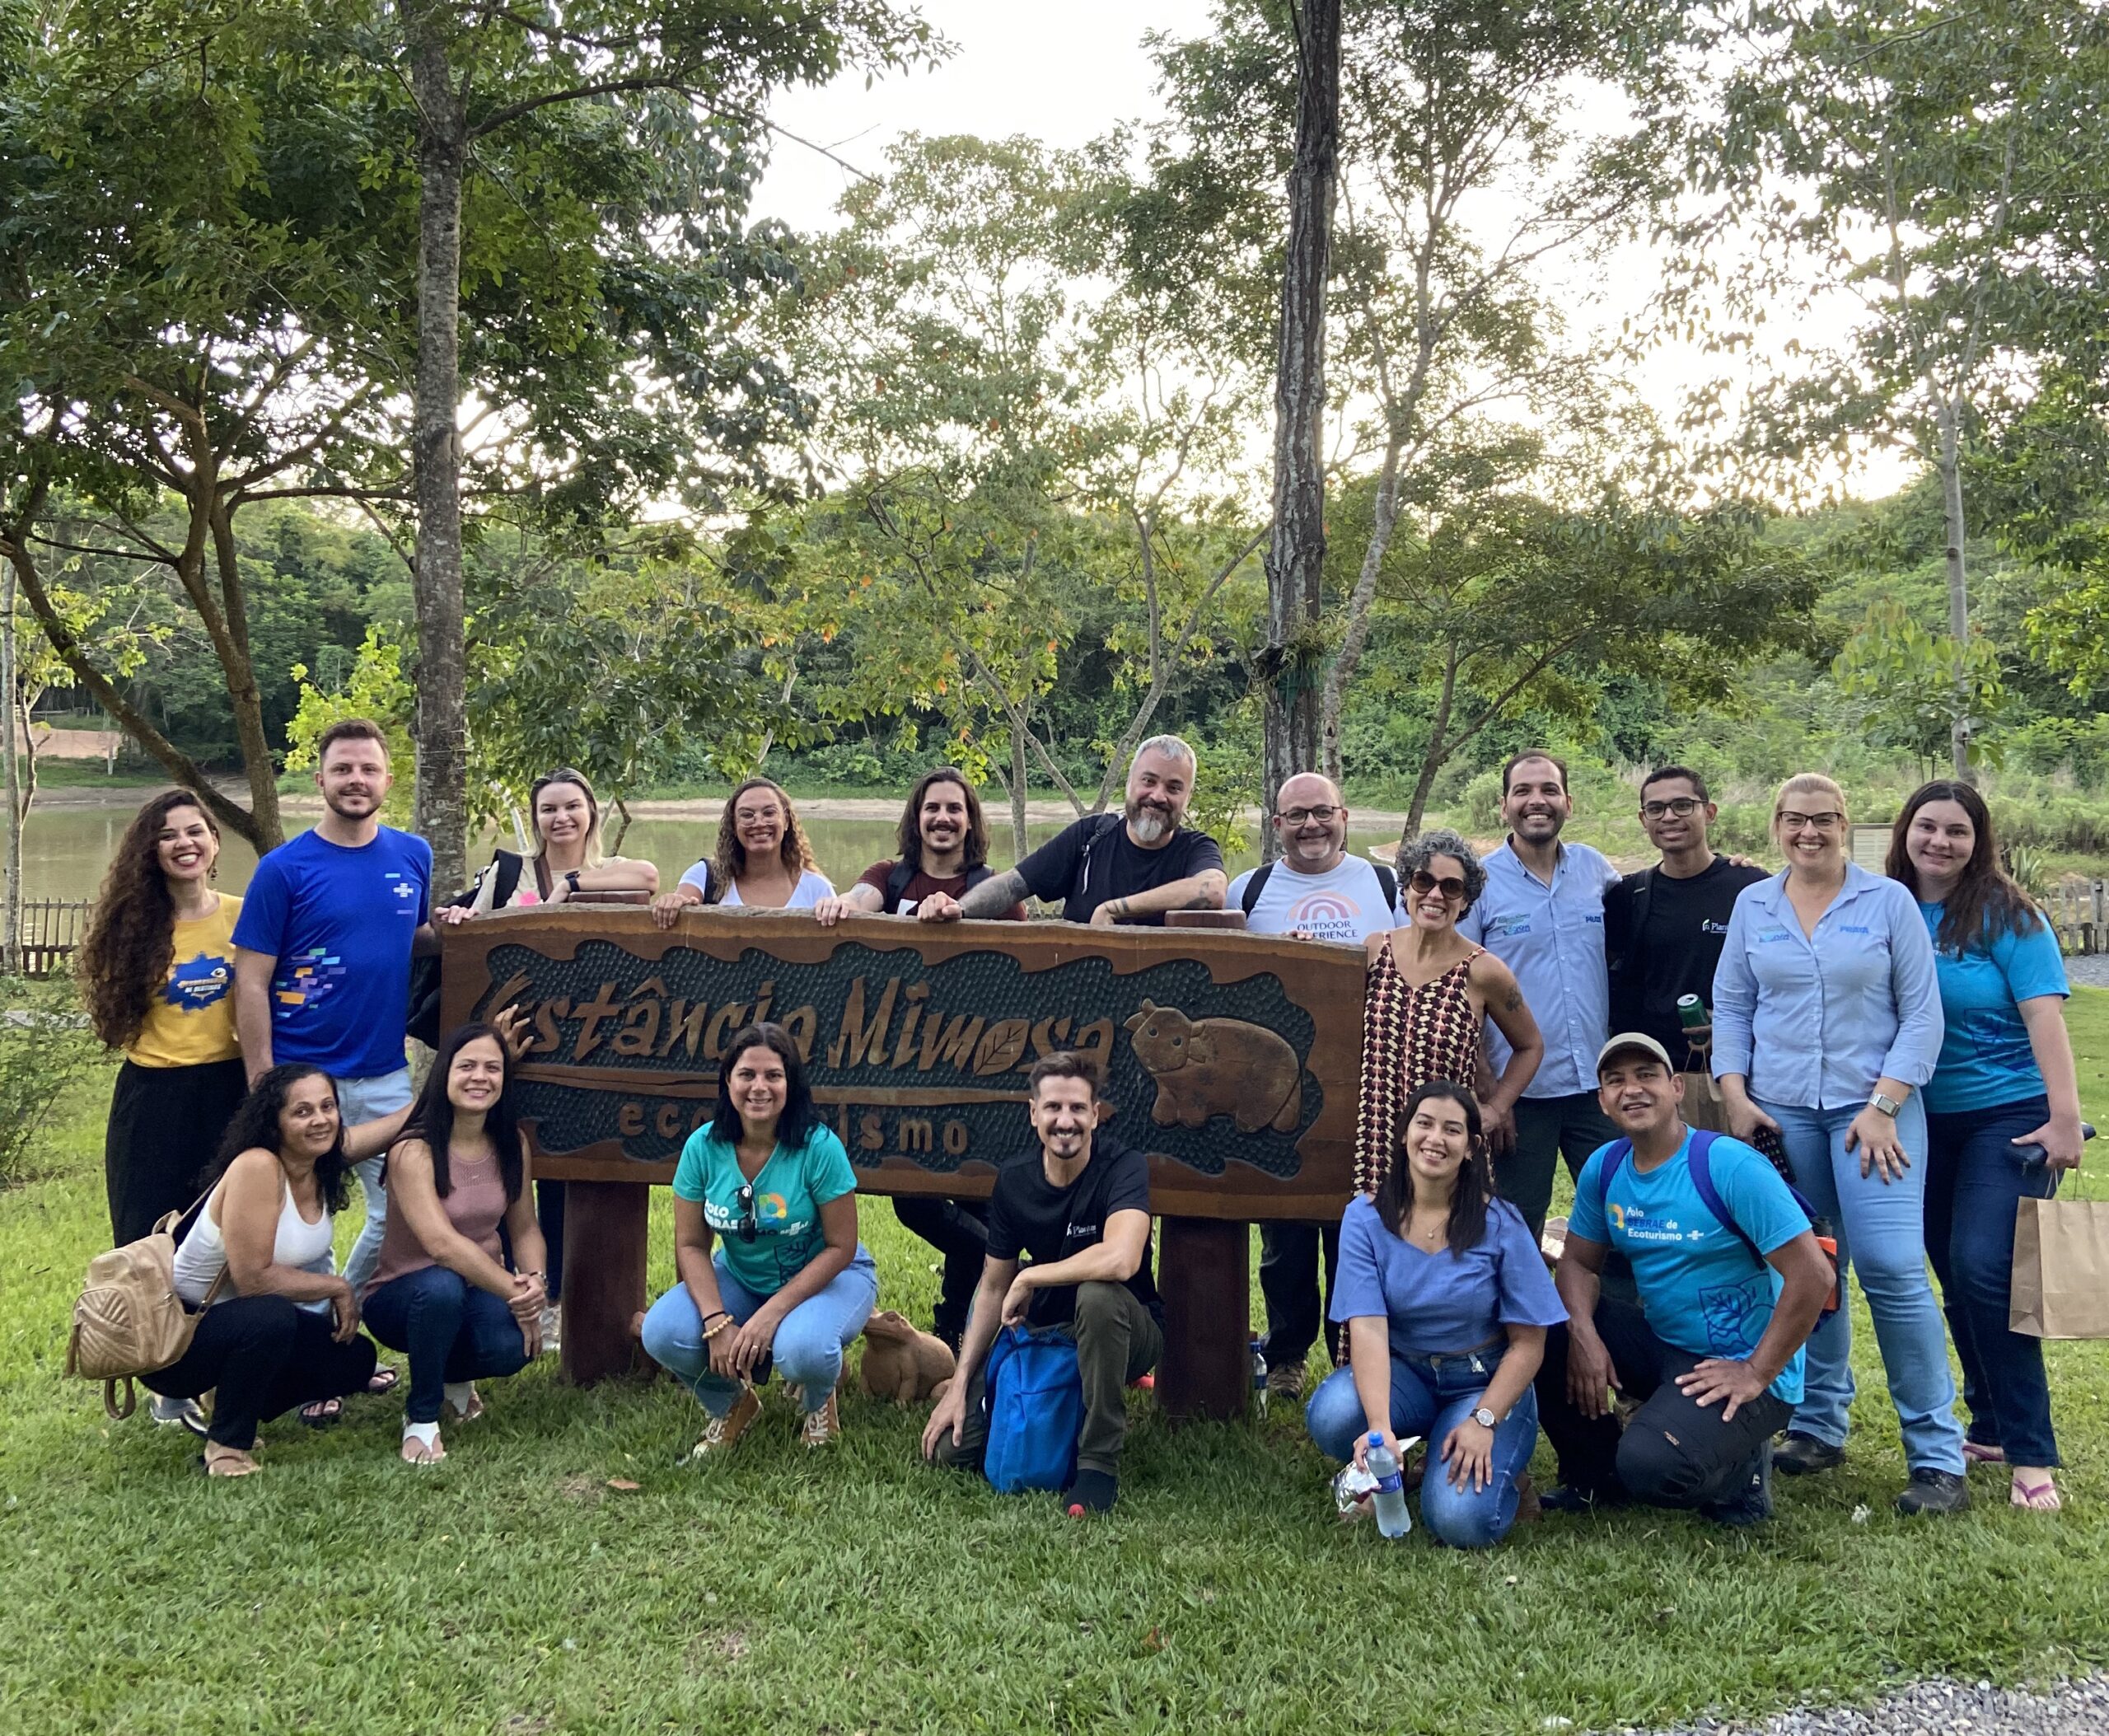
(1080,1206)
(1446,1301)
(1731,1281)
(789,1283)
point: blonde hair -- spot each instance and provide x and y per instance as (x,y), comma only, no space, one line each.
(567,774)
(1812,783)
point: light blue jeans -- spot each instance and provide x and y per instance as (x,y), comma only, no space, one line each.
(1881,1228)
(368,1100)
(809,1340)
(1430,1396)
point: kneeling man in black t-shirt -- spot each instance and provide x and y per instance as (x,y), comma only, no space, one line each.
(1079,1204)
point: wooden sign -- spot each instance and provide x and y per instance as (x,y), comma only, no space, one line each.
(1230,1058)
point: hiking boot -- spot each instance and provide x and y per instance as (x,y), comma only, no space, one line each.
(1286,1381)
(1753,1505)
(1804,1455)
(823,1427)
(1933,1491)
(721,1433)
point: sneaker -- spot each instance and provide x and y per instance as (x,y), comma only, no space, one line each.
(178,1412)
(1802,1455)
(1285,1380)
(1933,1491)
(823,1427)
(722,1433)
(1093,1491)
(1566,1499)
(1753,1504)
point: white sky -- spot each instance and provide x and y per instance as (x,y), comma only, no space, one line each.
(1069,73)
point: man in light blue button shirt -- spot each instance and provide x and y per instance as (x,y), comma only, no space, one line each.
(1542,915)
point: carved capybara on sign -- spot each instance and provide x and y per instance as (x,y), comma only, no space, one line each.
(1217,1066)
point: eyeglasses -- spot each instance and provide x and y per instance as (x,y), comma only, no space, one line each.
(1680,806)
(1450,885)
(1795,822)
(1298,816)
(750,1225)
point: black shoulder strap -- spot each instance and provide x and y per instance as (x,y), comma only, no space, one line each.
(1256,885)
(1107,822)
(1390,882)
(897,879)
(1643,889)
(509,864)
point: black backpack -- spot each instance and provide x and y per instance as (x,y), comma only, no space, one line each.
(903,872)
(423,1022)
(1386,881)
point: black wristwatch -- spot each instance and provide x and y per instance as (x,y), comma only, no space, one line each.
(571,880)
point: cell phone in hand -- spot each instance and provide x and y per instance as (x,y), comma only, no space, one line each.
(1767,1140)
(2034,1157)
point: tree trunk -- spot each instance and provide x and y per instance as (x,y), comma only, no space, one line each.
(1950,466)
(1385,515)
(440,729)
(1296,551)
(1018,786)
(243,696)
(10,944)
(1438,752)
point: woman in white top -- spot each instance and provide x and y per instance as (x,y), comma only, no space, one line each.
(762,862)
(279,1328)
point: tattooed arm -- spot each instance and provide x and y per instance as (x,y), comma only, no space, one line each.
(1503,1003)
(993,896)
(1201,892)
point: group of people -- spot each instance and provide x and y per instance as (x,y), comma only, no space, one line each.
(1730,1062)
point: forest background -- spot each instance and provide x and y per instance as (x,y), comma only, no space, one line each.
(980,474)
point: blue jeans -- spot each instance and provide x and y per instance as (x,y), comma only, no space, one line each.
(1974,1183)
(1430,1396)
(453,1330)
(368,1100)
(1881,1228)
(809,1340)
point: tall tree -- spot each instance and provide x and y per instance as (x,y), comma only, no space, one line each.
(1911,163)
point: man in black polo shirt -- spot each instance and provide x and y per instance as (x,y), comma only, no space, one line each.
(1079,1204)
(1127,867)
(1663,928)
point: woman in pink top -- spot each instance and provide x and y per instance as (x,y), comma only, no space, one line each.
(442,1292)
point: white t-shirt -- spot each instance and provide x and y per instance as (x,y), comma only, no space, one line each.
(1343,904)
(812,887)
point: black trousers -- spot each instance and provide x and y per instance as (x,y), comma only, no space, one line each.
(1289,1281)
(165,1124)
(264,1356)
(959,1230)
(1674,1453)
(549,1213)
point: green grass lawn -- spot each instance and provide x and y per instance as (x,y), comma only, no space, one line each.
(514,1590)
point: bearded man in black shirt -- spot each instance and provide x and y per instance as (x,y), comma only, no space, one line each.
(1078,1203)
(1663,928)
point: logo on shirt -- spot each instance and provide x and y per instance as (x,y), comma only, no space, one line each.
(309,981)
(198,983)
(1636,1225)
(1707,926)
(1080,1233)
(1508,926)
(406,892)
(1328,916)
(1735,1315)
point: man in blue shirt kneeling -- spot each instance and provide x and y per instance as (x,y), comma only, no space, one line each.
(1731,1281)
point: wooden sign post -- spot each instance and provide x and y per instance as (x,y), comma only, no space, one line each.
(1230,1058)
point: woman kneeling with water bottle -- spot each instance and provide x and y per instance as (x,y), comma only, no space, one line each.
(1445,1300)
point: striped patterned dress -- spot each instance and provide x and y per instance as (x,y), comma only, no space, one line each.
(1410,1036)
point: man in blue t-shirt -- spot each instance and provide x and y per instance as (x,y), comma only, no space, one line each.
(1712,1351)
(322,951)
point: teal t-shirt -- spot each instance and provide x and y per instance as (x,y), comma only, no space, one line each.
(792,1186)
(1699,1286)
(1985,1059)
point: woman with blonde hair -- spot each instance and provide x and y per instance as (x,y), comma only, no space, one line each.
(1827,1022)
(762,861)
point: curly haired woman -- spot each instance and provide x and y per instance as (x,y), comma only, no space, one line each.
(762,862)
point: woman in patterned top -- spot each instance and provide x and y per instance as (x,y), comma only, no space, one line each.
(1429,988)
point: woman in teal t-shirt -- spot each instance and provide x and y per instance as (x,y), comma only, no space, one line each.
(788,1281)
(2005,1079)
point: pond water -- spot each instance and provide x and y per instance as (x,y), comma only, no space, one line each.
(65,849)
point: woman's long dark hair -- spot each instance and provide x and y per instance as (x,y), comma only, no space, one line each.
(256,1127)
(1474,1188)
(909,841)
(432,1117)
(731,860)
(799,1117)
(1985,903)
(131,938)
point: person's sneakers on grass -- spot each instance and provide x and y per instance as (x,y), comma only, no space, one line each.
(1802,1455)
(721,1433)
(1093,1491)
(178,1412)
(1933,1491)
(822,1428)
(1753,1504)
(1285,1381)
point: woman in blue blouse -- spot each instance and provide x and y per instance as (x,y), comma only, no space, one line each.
(2006,1077)
(1826,1021)
(1446,1301)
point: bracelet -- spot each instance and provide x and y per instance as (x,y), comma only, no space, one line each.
(724,1321)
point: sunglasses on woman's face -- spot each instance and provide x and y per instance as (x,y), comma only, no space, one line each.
(750,1225)
(1450,885)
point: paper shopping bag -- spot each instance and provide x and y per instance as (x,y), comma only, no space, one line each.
(2061,1268)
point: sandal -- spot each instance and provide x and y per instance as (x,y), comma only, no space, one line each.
(220,1460)
(384,1379)
(2037,1497)
(421,1445)
(462,1400)
(1982,1453)
(323,1412)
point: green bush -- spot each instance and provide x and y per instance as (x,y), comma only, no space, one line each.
(46,1049)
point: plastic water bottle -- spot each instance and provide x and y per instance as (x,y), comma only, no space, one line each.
(1390,1499)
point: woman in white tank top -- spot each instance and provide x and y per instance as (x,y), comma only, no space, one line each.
(281,1328)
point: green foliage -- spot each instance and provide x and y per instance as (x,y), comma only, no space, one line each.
(1911,682)
(374,688)
(46,1050)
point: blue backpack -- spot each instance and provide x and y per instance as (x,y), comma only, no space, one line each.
(1701,1164)
(1035,1400)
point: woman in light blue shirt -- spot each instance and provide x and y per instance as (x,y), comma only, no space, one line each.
(1826,1021)
(2006,1080)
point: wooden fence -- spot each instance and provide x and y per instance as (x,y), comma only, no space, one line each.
(2076,911)
(51,929)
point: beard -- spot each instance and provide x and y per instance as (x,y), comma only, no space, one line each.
(351,807)
(1148,824)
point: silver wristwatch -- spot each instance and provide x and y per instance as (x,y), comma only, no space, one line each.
(1888,1105)
(1483,1417)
